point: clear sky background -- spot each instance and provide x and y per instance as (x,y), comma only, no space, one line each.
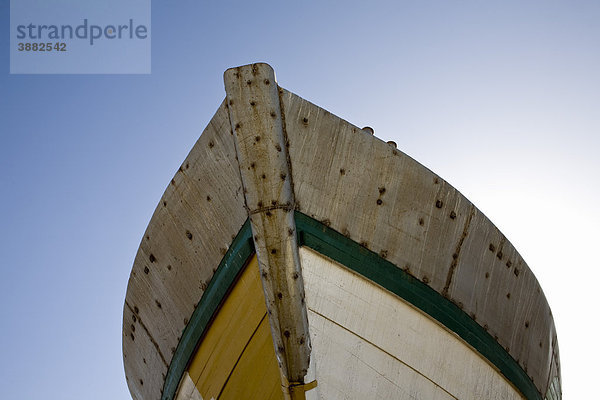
(500,98)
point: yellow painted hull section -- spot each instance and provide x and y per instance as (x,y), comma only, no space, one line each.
(236,358)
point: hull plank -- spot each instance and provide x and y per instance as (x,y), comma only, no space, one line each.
(236,355)
(200,212)
(388,348)
(379,197)
(256,375)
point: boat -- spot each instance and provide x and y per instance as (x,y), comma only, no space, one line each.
(296,256)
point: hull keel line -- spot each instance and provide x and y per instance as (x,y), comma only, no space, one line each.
(258,127)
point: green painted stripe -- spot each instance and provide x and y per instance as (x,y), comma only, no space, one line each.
(231,265)
(314,234)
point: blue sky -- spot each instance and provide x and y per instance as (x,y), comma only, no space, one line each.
(501,99)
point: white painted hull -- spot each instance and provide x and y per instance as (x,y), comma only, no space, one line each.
(369,344)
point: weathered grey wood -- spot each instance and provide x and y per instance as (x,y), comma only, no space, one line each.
(359,185)
(144,365)
(554,391)
(193,225)
(379,197)
(498,289)
(256,120)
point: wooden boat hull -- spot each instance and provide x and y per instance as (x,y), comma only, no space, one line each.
(378,279)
